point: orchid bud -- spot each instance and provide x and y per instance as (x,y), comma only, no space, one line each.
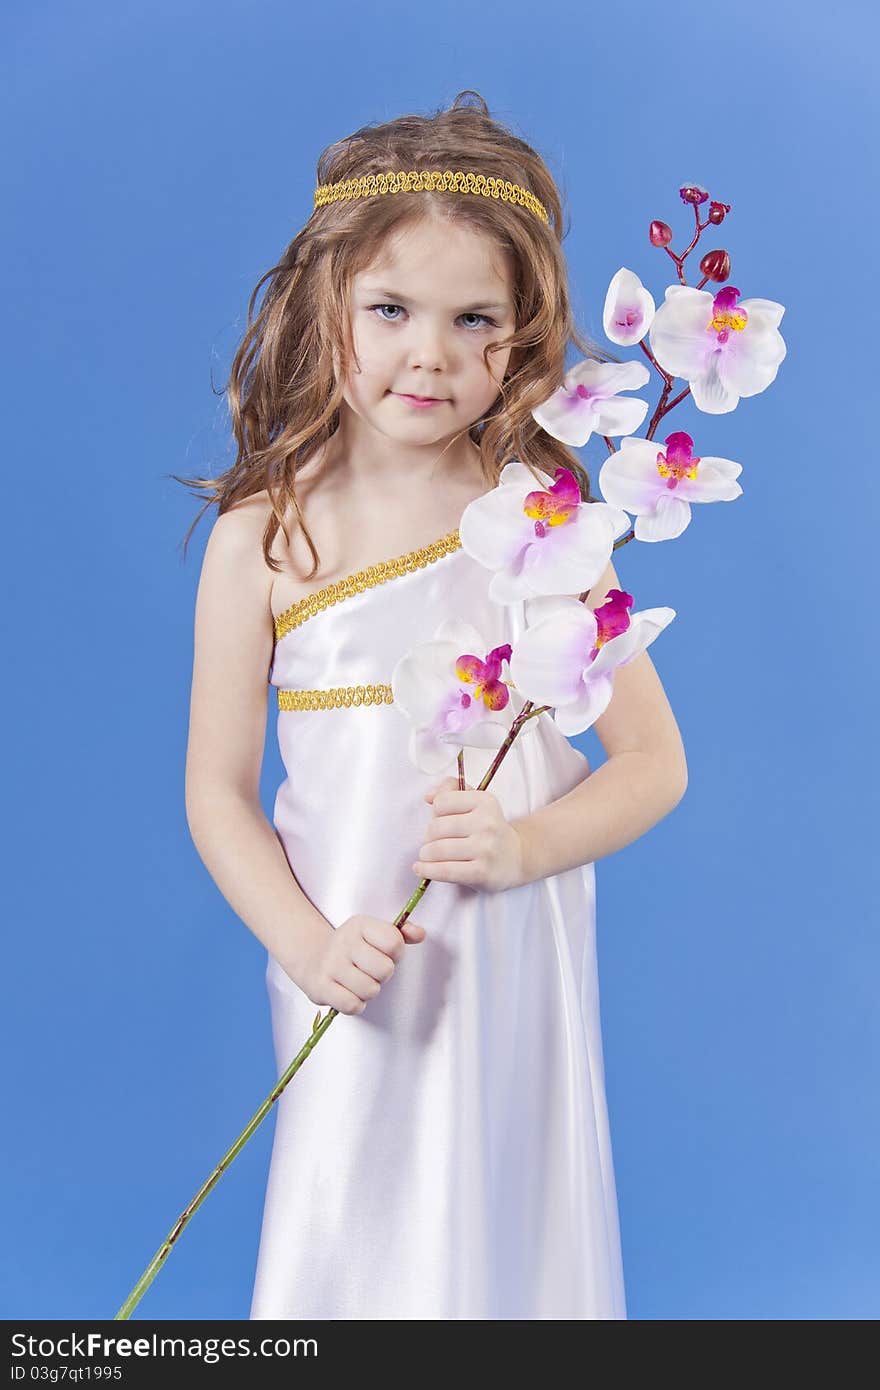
(660,234)
(715,265)
(717,212)
(692,193)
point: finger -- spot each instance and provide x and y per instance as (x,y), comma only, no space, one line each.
(475,822)
(343,1000)
(413,932)
(384,936)
(440,852)
(449,871)
(456,799)
(447,784)
(457,823)
(351,977)
(373,961)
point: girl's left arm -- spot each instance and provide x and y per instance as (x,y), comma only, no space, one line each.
(643,779)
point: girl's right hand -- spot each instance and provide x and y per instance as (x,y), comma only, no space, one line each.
(356,961)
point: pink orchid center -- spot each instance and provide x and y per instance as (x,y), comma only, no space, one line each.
(727,315)
(679,461)
(612,618)
(484,677)
(557,505)
(627,319)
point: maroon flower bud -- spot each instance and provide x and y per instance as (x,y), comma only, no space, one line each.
(717,212)
(715,265)
(660,233)
(692,193)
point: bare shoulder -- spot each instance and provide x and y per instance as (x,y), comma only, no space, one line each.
(235,546)
(232,656)
(233,567)
(240,523)
(639,716)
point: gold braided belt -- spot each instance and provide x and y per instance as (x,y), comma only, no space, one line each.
(337,697)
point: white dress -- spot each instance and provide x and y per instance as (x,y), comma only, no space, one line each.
(446,1153)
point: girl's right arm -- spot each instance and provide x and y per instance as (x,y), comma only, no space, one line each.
(233,644)
(234,635)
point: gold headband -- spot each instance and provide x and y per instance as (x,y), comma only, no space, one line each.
(419,180)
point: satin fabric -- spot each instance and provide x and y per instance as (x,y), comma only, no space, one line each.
(446,1153)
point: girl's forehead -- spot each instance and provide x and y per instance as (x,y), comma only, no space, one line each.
(414,243)
(482,273)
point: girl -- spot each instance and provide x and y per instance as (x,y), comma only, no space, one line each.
(445,1152)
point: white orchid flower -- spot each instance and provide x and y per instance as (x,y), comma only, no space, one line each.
(567,655)
(723,349)
(539,542)
(629,309)
(657,485)
(453,697)
(587,402)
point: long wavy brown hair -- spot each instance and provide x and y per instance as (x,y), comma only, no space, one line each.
(284,392)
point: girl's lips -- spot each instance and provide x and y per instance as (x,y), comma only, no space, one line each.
(420,400)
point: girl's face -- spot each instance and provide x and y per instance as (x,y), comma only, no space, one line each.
(421,318)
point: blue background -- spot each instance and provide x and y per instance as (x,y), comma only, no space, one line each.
(162,157)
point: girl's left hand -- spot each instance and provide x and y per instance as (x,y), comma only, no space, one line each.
(470,841)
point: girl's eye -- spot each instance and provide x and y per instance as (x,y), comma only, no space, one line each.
(467,315)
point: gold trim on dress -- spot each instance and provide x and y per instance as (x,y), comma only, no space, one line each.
(316,602)
(338,697)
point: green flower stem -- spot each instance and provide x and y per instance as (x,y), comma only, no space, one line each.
(168,1243)
(319,1028)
